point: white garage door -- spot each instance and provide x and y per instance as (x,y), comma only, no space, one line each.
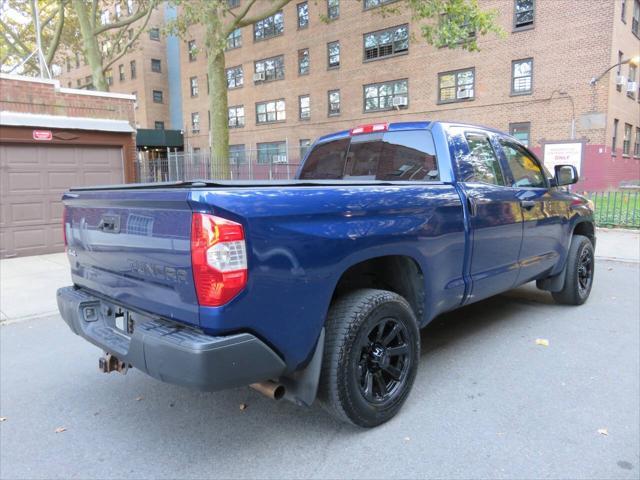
(34,178)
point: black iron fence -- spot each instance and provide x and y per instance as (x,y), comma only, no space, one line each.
(616,209)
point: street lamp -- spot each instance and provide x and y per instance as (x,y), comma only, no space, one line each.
(635,61)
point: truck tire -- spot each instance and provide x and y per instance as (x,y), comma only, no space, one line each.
(371,356)
(579,275)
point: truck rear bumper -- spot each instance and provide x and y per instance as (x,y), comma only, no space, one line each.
(166,350)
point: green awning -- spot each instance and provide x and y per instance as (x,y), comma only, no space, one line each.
(147,137)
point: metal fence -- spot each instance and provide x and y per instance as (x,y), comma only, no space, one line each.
(181,166)
(616,209)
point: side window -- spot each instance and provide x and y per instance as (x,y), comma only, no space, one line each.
(483,165)
(524,168)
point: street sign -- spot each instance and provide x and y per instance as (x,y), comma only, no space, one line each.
(43,135)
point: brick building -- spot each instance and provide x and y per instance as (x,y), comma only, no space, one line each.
(53,138)
(294,77)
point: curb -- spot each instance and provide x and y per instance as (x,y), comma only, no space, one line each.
(35,316)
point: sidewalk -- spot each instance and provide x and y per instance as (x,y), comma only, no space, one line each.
(28,284)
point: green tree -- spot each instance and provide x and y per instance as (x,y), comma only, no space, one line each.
(103,41)
(18,33)
(220,18)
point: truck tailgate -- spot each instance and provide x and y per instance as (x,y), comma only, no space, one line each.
(134,247)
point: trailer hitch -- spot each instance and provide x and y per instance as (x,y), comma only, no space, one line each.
(110,363)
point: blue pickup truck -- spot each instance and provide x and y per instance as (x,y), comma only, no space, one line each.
(317,287)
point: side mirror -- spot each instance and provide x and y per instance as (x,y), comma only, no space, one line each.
(565,175)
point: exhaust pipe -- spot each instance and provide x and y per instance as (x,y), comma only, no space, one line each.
(273,390)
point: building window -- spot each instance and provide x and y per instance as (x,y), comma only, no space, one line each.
(619,71)
(623,11)
(270,112)
(523,13)
(193,86)
(333,54)
(303,61)
(236,116)
(118,11)
(386,43)
(235,77)
(195,122)
(157,96)
(156,65)
(636,147)
(303,15)
(68,65)
(109,76)
(305,107)
(77,60)
(614,139)
(626,141)
(380,96)
(237,154)
(130,6)
(121,72)
(269,69)
(334,102)
(233,3)
(192,50)
(130,33)
(633,70)
(521,132)
(158,125)
(69,84)
(132,66)
(78,83)
(376,3)
(154,34)
(88,82)
(456,86)
(234,40)
(269,27)
(272,152)
(635,21)
(333,9)
(305,146)
(521,75)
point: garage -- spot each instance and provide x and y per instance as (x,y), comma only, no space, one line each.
(53,138)
(34,178)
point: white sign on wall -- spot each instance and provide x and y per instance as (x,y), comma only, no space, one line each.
(563,154)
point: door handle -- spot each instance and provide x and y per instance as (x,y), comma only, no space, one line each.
(527,204)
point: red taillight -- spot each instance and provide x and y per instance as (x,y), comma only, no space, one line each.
(65,216)
(370,128)
(218,259)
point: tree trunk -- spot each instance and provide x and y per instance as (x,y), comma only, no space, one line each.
(90,45)
(219,124)
(219,129)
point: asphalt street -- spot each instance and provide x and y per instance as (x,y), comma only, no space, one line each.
(488,402)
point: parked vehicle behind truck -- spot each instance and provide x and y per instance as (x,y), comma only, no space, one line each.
(318,287)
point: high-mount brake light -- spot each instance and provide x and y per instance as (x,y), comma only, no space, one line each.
(218,259)
(370,128)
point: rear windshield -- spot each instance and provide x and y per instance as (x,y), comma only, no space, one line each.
(407,155)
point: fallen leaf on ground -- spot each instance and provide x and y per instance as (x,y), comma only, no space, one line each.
(243,406)
(3,419)
(542,341)
(603,431)
(60,430)
(139,398)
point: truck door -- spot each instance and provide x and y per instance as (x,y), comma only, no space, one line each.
(544,212)
(494,213)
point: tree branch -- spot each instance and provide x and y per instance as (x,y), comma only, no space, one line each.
(275,6)
(55,41)
(94,14)
(241,14)
(127,20)
(129,44)
(15,37)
